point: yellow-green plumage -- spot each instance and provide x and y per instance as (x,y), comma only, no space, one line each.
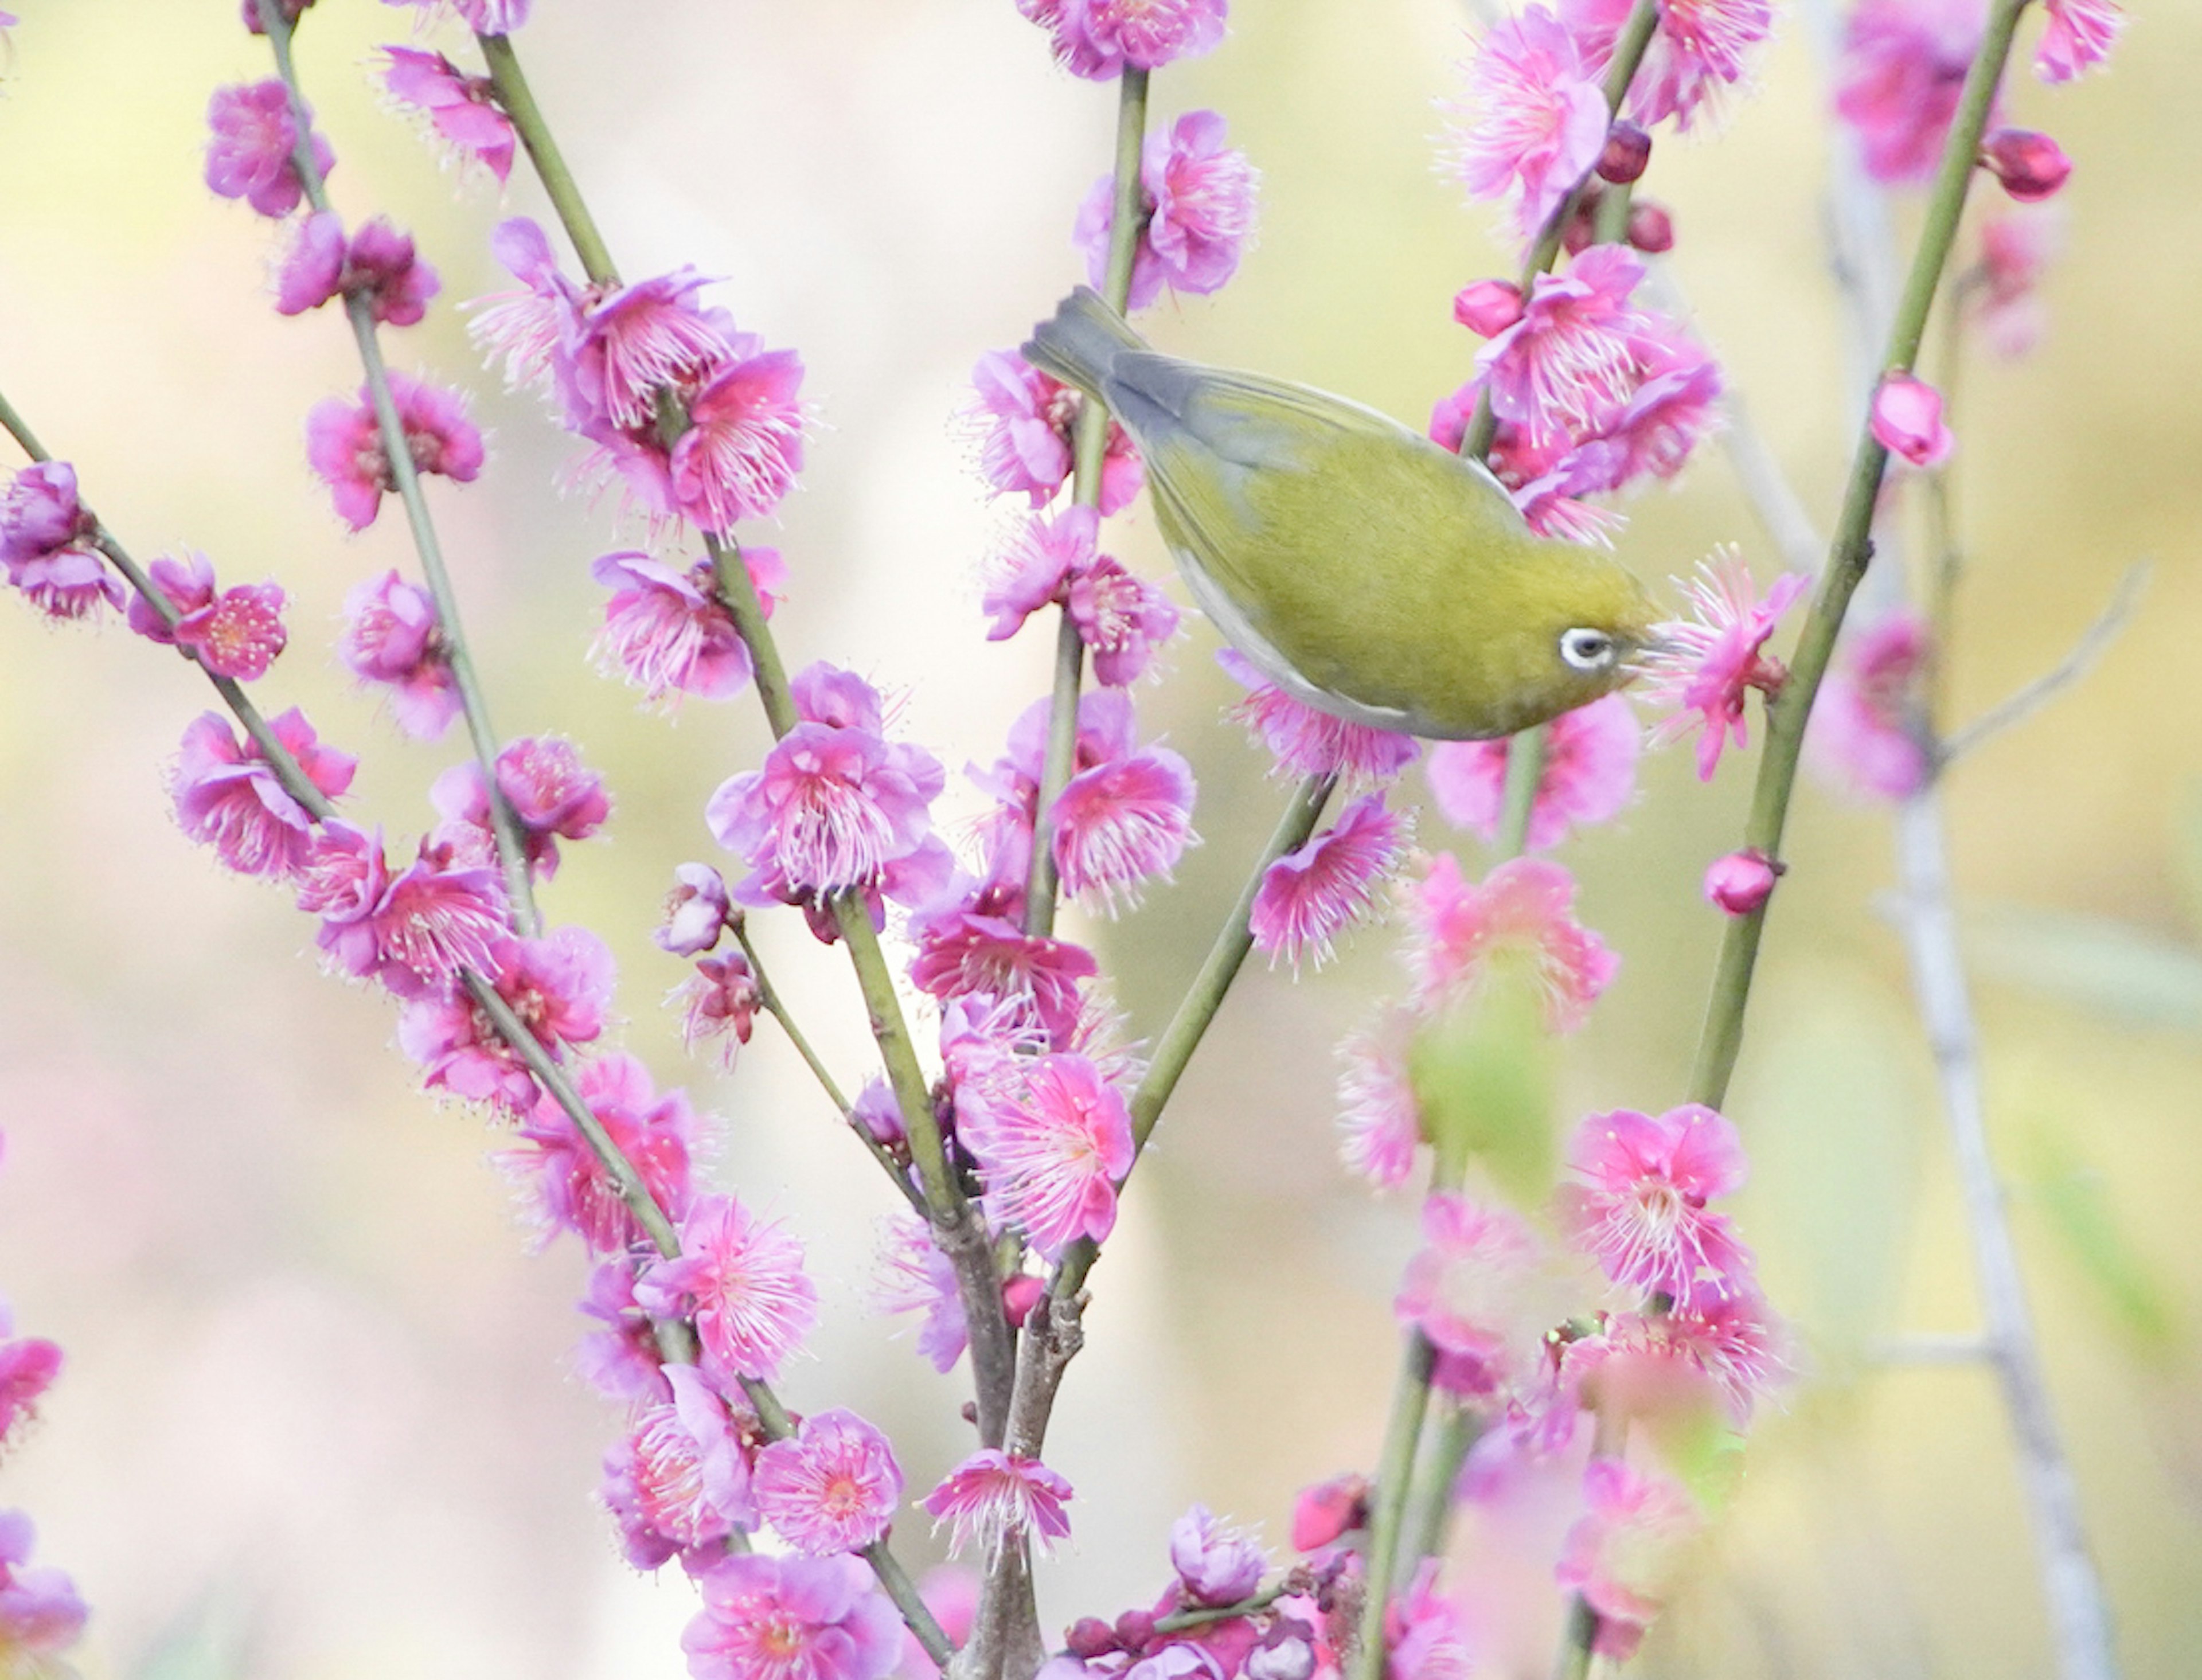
(1364,568)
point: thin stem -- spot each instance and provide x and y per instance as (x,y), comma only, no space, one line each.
(769,998)
(518,100)
(1395,1469)
(398,450)
(1722,1039)
(1200,1615)
(1089,453)
(1448,1439)
(1525,772)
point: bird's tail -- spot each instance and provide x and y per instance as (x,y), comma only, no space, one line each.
(1081,343)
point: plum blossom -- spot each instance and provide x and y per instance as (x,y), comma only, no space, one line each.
(2078,35)
(744,445)
(1532,119)
(1199,196)
(1520,914)
(1329,1511)
(670,632)
(643,337)
(912,1275)
(1308,896)
(47,539)
(791,1618)
(1052,1136)
(744,1278)
(236,633)
(560,987)
(677,1481)
(993,1497)
(551,794)
(1020,422)
(1305,742)
(1096,38)
(1903,66)
(566,1184)
(1699,47)
(41,1614)
(832,1486)
(228,796)
(1588,776)
(1638,1203)
(1708,664)
(2030,166)
(1729,1349)
(532,330)
(1907,419)
(344,446)
(1740,883)
(1121,619)
(968,945)
(1621,1555)
(393,640)
(695,911)
(1867,732)
(1215,1565)
(1470,1290)
(1567,366)
(461,109)
(1379,1121)
(377,263)
(719,1001)
(620,1359)
(28,1366)
(413,932)
(252,153)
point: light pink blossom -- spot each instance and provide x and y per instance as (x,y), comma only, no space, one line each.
(1308,897)
(460,109)
(1380,1123)
(1532,119)
(1664,1365)
(1867,732)
(1052,1136)
(414,931)
(1588,776)
(1740,883)
(912,1275)
(742,1277)
(720,1000)
(1637,1203)
(668,632)
(1215,1563)
(1621,1554)
(677,1482)
(744,445)
(1019,421)
(832,1486)
(695,911)
(560,987)
(227,794)
(41,1614)
(40,515)
(1121,823)
(1521,915)
(1096,38)
(1698,47)
(645,338)
(1706,665)
(1469,1291)
(1566,368)
(1305,742)
(791,1618)
(1199,196)
(1903,66)
(993,1496)
(393,641)
(2078,35)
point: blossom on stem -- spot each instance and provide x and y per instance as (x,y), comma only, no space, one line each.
(568,1186)
(970,946)
(1669,1364)
(1740,883)
(40,515)
(1308,897)
(1215,1563)
(744,445)
(392,640)
(237,633)
(251,152)
(1379,1120)
(1588,776)
(2030,166)
(1567,366)
(912,1275)
(1621,1554)
(1707,665)
(1868,731)
(677,1481)
(1907,419)
(993,1496)
(742,1277)
(461,109)
(1698,47)
(1903,67)
(41,1614)
(1122,823)
(720,1001)
(1521,914)
(377,263)
(560,987)
(344,446)
(695,911)
(1096,38)
(228,796)
(1199,199)
(414,931)
(791,1618)
(1532,119)
(1329,1511)
(832,1486)
(1021,420)
(28,1366)
(1305,742)
(670,632)
(1052,1136)
(643,337)
(1637,1203)
(1469,1291)
(622,1360)
(2078,35)
(1121,619)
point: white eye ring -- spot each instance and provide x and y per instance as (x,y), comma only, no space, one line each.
(1587,650)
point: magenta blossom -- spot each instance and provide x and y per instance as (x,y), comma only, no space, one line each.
(677,1482)
(1121,619)
(669,633)
(1035,566)
(2078,35)
(1907,419)
(28,1366)
(228,796)
(565,1182)
(1215,1565)
(1052,1136)
(1532,119)
(621,1359)
(791,1618)
(911,1275)
(1305,742)
(1020,420)
(186,581)
(1521,915)
(1308,897)
(645,338)
(414,931)
(552,797)
(251,155)
(967,947)
(461,109)
(41,1614)
(393,641)
(1699,47)
(1903,67)
(533,329)
(377,263)
(40,515)
(1566,368)
(719,1001)
(1728,1351)
(833,1486)
(559,986)
(1096,38)
(1709,663)
(744,445)
(1122,823)
(1470,1290)
(1621,1556)
(2030,166)
(993,1496)
(344,445)
(742,1277)
(1867,731)
(1199,196)
(237,633)
(1588,776)
(1741,882)
(1639,1202)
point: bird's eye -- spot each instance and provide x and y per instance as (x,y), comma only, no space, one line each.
(1586,650)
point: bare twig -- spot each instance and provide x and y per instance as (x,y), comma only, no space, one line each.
(2093,642)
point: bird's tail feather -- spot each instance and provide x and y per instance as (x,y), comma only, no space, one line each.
(1081,341)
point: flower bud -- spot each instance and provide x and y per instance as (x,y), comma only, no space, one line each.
(695,911)
(1907,419)
(1651,229)
(1330,1510)
(1289,1659)
(1488,308)
(1090,1636)
(1581,231)
(1742,881)
(1019,1294)
(2030,165)
(1627,149)
(1134,1629)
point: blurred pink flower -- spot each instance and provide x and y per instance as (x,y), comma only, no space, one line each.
(1379,1120)
(2031,166)
(1588,776)
(912,1275)
(2078,35)
(1467,1289)
(1621,1554)
(28,1366)
(1308,897)
(1532,119)
(1907,419)
(1638,1203)
(1096,38)
(1902,64)
(791,1618)
(254,132)
(1521,913)
(41,1614)
(461,110)
(1215,1563)
(1867,730)
(391,640)
(1698,47)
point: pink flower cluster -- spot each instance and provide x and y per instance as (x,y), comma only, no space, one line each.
(1121,619)
(48,543)
(1198,196)
(233,632)
(1099,39)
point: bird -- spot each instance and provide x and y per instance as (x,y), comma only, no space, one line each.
(1361,567)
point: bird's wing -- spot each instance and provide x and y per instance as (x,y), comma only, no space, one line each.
(1239,418)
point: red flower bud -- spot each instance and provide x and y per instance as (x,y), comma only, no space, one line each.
(1020,1295)
(1651,229)
(1134,1629)
(1488,308)
(1627,149)
(1090,1636)
(2030,165)
(1742,881)
(1324,1513)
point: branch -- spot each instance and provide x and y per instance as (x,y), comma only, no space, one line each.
(2094,642)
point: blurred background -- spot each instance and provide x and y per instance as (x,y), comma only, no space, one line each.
(317,1420)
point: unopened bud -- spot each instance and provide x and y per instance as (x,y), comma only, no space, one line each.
(1290,1659)
(1134,1628)
(1020,1295)
(1580,232)
(1488,308)
(1627,149)
(1090,1636)
(1742,881)
(1651,229)
(1324,1513)
(1907,419)
(2030,165)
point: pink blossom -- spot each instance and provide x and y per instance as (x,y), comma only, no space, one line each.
(41,1614)
(28,1366)
(719,1001)
(1708,664)
(2030,165)
(1035,566)
(1329,1511)
(251,155)
(744,1278)
(2078,35)
(1532,119)
(186,581)
(744,445)
(1308,897)
(559,986)
(239,633)
(392,640)
(1488,308)
(1522,914)
(567,1184)
(1215,1565)
(68,583)
(1052,1136)
(1588,776)
(1122,620)
(1866,731)
(645,338)
(911,1275)
(1096,38)
(40,515)
(695,911)
(227,794)
(622,1360)
(1469,1291)
(1903,67)
(1305,742)
(414,931)
(377,264)
(1019,421)
(312,271)
(1666,1364)
(2015,251)
(1122,823)
(1568,366)
(670,633)
(461,110)
(344,446)
(1199,196)
(1907,419)
(677,1481)
(1621,1555)
(533,329)
(1698,47)
(1380,1122)
(1741,882)
(551,794)
(993,1496)
(1639,1202)
(791,1618)
(833,1486)
(963,950)
(1425,1632)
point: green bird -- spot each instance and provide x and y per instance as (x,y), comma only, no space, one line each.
(1366,571)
